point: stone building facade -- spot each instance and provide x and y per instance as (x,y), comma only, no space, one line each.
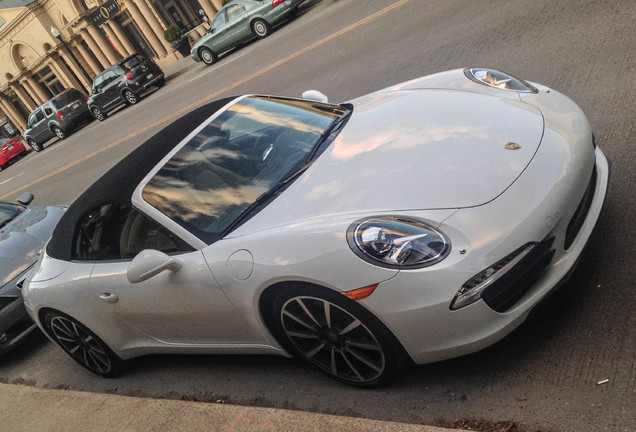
(49,45)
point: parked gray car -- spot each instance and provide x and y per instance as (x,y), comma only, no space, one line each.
(23,233)
(56,117)
(240,21)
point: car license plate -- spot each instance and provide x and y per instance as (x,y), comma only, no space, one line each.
(75,106)
(149,76)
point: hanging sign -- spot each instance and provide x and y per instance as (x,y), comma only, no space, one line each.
(104,12)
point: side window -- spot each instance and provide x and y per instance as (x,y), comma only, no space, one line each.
(235,12)
(39,116)
(48,111)
(119,231)
(31,119)
(99,82)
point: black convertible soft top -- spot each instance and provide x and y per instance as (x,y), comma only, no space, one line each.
(119,183)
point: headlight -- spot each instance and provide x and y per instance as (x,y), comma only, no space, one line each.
(397,242)
(500,80)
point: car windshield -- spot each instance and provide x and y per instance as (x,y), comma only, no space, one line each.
(8,212)
(244,153)
(4,141)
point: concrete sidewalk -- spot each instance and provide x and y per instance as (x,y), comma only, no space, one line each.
(32,409)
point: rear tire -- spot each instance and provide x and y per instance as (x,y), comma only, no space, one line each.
(337,335)
(59,133)
(82,344)
(35,146)
(98,114)
(130,97)
(261,28)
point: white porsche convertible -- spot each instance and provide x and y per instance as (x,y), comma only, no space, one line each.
(414,224)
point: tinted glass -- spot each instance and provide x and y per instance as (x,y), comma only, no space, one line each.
(66,98)
(239,156)
(8,212)
(119,231)
(133,62)
(4,141)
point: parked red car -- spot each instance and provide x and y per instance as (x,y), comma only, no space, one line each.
(10,148)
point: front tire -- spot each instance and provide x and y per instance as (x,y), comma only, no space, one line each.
(35,146)
(130,97)
(82,344)
(261,28)
(337,335)
(207,56)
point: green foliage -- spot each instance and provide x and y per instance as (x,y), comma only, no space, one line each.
(172,33)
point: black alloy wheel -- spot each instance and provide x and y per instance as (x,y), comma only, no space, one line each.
(35,146)
(261,28)
(82,344)
(338,336)
(98,114)
(207,56)
(130,97)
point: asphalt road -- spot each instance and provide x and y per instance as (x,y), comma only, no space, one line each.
(545,376)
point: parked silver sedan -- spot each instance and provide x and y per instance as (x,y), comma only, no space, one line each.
(239,21)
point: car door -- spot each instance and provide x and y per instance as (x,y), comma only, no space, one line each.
(238,26)
(185,306)
(106,90)
(39,130)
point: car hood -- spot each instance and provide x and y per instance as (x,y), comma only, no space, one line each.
(21,240)
(415,150)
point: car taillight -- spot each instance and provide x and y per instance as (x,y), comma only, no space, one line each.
(129,76)
(59,115)
(277,2)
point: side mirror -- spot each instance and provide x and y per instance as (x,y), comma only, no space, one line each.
(149,263)
(315,95)
(25,198)
(93,90)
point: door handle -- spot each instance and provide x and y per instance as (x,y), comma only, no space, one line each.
(108,297)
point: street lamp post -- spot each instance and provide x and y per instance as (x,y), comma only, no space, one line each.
(57,35)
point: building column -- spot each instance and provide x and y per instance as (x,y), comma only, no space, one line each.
(90,61)
(38,89)
(13,115)
(24,97)
(119,47)
(94,47)
(84,82)
(218,4)
(31,93)
(121,36)
(154,24)
(103,44)
(63,74)
(209,9)
(152,38)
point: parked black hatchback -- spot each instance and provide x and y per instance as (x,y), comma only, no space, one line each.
(56,117)
(123,83)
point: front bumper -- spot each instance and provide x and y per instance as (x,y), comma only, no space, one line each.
(415,305)
(15,323)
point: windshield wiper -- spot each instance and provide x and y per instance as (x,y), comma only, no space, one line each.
(335,126)
(264,197)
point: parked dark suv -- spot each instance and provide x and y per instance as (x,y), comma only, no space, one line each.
(56,117)
(123,83)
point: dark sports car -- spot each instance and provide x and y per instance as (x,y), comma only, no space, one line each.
(23,233)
